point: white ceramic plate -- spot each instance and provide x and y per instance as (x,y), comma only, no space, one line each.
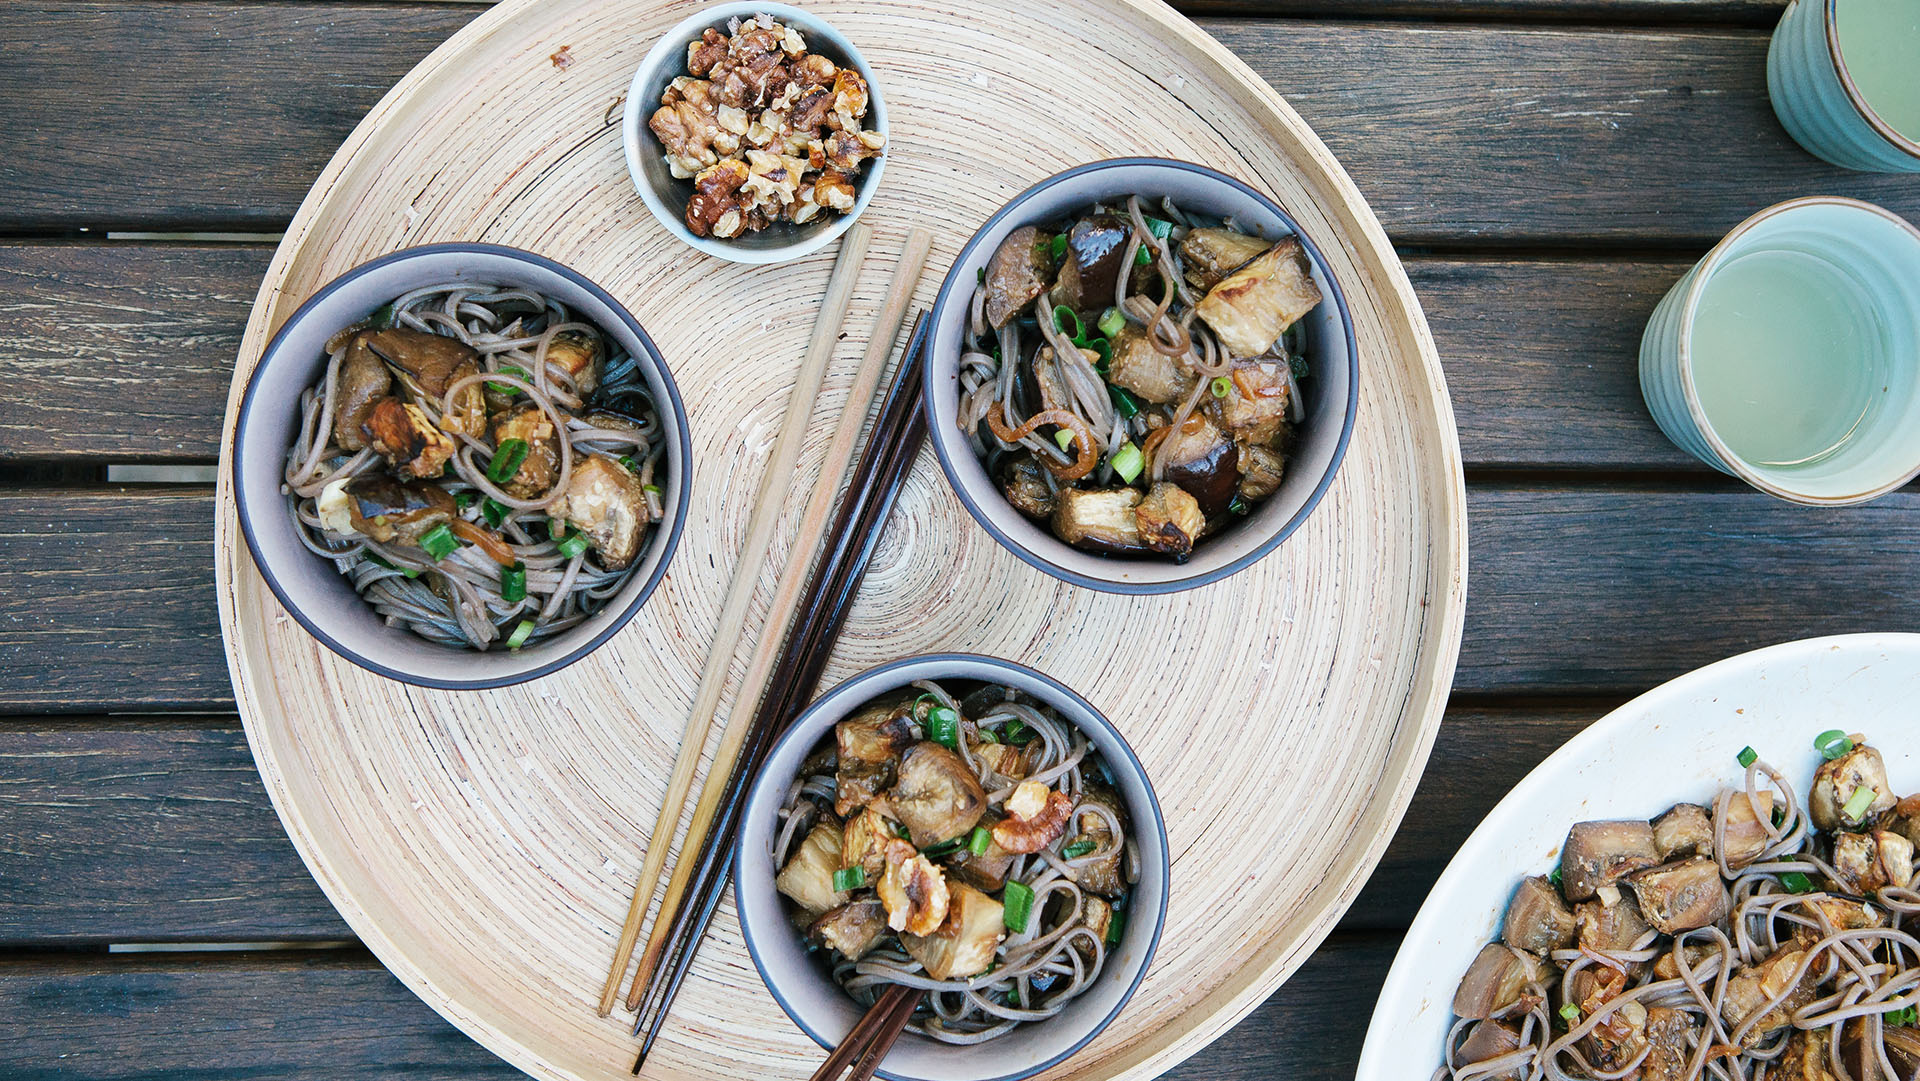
(1676,742)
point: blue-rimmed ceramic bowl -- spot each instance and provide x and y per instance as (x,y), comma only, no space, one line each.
(1331,394)
(822,1010)
(309,587)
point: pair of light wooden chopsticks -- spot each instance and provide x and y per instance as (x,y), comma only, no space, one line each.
(766,514)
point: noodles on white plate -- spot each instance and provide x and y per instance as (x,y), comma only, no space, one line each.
(1755,939)
(973,847)
(481,464)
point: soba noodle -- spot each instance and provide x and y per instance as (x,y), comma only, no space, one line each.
(1835,994)
(460,600)
(1035,970)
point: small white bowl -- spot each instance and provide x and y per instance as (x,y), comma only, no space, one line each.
(317,595)
(667,196)
(1677,743)
(823,1010)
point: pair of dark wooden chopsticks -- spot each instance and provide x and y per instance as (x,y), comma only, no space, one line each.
(892,445)
(873,1036)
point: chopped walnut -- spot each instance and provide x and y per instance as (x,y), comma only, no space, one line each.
(767,131)
(716,208)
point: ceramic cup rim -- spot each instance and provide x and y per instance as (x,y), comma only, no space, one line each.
(635,140)
(1831,29)
(950,445)
(1702,272)
(245,497)
(849,695)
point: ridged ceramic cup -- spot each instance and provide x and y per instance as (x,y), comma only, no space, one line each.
(1877,255)
(1819,103)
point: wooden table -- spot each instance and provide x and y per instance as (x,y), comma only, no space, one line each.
(1548,167)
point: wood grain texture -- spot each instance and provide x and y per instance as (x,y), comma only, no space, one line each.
(119,352)
(127,350)
(1624,12)
(126,830)
(1458,133)
(1600,591)
(120,830)
(109,602)
(282,1017)
(485,141)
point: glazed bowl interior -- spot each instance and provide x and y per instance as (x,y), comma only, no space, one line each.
(1677,743)
(319,596)
(666,195)
(1330,394)
(823,1010)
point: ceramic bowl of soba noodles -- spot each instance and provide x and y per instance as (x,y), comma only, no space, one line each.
(1143,376)
(461,465)
(962,825)
(1716,880)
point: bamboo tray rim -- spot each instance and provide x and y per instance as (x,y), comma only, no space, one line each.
(1204,1019)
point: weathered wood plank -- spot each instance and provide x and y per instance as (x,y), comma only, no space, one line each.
(344,1018)
(1575,591)
(120,352)
(124,352)
(122,830)
(1627,12)
(1458,132)
(109,602)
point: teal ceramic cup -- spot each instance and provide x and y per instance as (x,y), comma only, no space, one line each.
(1829,107)
(1806,315)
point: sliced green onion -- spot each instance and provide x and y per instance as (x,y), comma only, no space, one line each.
(1058,246)
(463,500)
(1116,926)
(1159,228)
(439,542)
(627,463)
(1061,314)
(1103,349)
(986,736)
(1239,506)
(1832,744)
(1795,882)
(849,878)
(513,582)
(1906,1018)
(383,317)
(1078,848)
(1570,1013)
(1064,437)
(1300,367)
(573,546)
(1017,904)
(1111,322)
(1779,815)
(650,489)
(1222,386)
(1128,406)
(945,848)
(978,840)
(981,275)
(520,634)
(506,460)
(1747,757)
(943,726)
(1143,257)
(1127,461)
(902,832)
(1857,804)
(1016,733)
(1553,877)
(509,389)
(494,511)
(379,562)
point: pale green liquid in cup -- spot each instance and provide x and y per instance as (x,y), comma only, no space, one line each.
(1880,43)
(1787,355)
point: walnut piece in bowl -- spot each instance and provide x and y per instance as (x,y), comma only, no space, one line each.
(754,132)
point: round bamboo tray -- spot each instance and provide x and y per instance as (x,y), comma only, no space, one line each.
(484,844)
